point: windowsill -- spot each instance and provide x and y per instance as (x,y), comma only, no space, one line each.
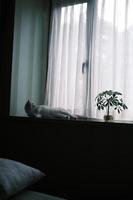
(69,121)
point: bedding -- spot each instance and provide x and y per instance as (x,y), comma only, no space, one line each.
(32,195)
(16,176)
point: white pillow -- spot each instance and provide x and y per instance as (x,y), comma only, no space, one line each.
(16,176)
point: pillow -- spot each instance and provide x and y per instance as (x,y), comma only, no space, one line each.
(16,176)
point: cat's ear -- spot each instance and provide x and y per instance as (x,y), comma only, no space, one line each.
(28,105)
(28,101)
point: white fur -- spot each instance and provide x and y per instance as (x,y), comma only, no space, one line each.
(43,111)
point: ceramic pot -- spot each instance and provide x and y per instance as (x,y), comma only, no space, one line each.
(108,117)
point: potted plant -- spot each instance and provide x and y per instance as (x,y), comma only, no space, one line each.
(108,99)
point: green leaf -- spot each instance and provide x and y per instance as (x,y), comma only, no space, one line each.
(99,107)
(118,111)
(102,107)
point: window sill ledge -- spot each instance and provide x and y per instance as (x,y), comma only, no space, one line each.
(69,121)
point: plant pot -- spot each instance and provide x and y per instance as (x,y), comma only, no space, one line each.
(108,117)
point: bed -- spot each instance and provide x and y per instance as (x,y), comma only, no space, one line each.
(33,195)
(16,178)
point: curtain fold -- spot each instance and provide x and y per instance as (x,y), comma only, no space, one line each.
(91,25)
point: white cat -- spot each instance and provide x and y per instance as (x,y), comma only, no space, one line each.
(43,111)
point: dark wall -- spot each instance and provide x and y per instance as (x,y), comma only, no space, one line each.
(6,41)
(82,160)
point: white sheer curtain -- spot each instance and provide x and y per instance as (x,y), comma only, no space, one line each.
(112,62)
(29,54)
(73,82)
(67,77)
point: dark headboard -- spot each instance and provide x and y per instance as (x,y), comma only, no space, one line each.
(81,159)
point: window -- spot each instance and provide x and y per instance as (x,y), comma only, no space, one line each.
(90,50)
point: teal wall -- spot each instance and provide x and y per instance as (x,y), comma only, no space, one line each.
(30,54)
